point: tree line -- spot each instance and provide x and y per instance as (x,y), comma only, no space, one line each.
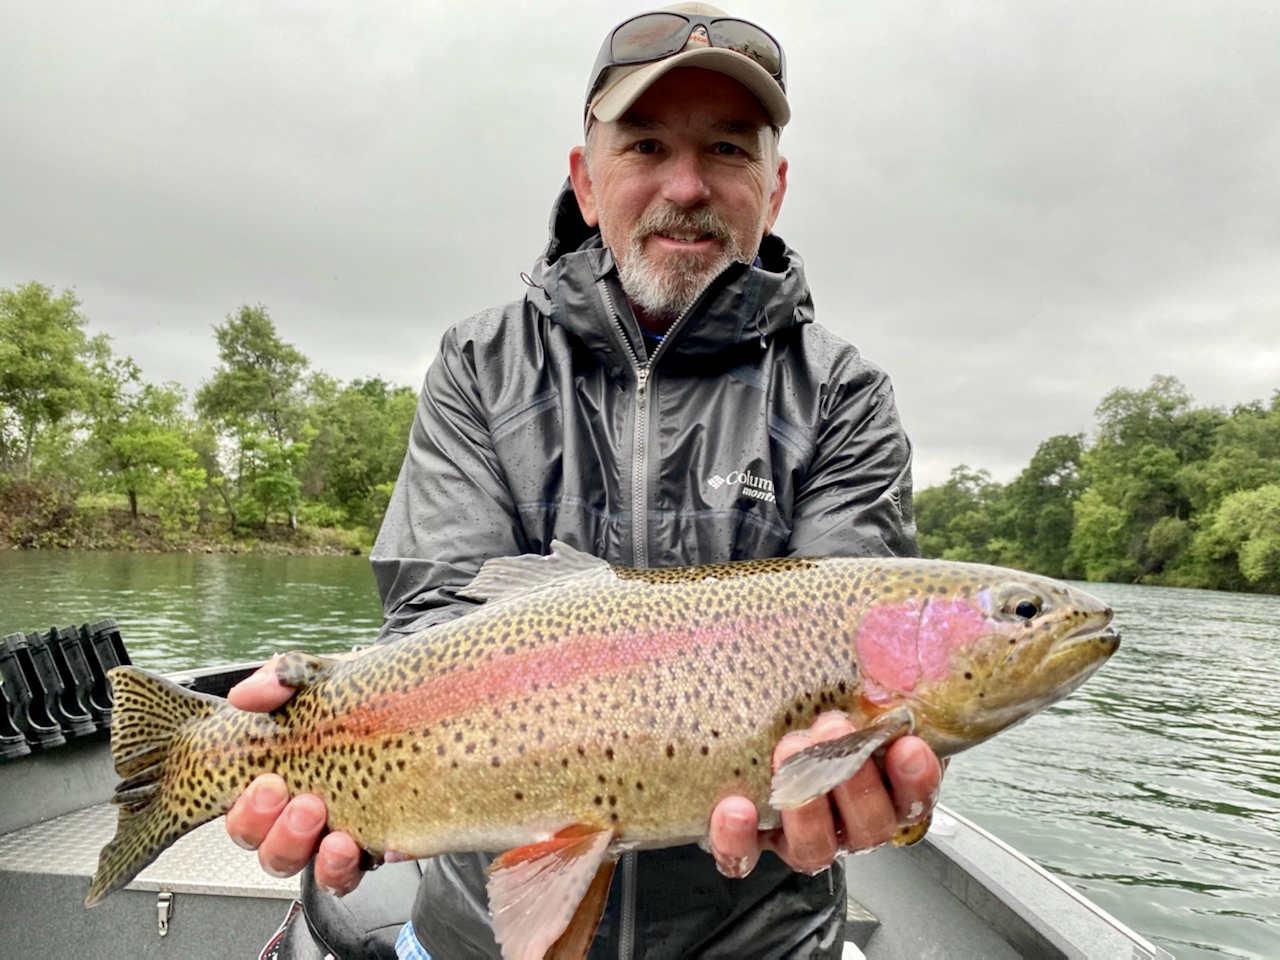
(1165,492)
(92,454)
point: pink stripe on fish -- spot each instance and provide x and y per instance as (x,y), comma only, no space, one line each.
(504,677)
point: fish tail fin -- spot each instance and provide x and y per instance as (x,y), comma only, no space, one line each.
(150,713)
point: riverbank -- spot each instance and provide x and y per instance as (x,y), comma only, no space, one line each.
(45,520)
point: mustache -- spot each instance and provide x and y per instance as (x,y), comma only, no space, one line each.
(700,220)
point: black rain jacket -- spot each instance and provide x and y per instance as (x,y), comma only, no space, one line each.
(751,431)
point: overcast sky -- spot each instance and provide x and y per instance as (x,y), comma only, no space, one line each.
(1013,207)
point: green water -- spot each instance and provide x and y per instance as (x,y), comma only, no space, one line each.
(1155,789)
(179,611)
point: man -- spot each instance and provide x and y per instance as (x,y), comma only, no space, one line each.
(660,396)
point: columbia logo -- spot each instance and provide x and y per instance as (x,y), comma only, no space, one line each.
(761,488)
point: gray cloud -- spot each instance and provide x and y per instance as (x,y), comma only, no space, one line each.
(1012,207)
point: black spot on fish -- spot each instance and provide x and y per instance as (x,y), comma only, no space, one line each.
(671,750)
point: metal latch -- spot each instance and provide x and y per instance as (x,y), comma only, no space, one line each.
(164,910)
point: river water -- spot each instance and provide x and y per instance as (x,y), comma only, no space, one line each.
(1154,790)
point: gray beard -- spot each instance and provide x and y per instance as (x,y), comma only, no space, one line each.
(667,293)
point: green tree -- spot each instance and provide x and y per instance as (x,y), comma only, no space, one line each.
(959,520)
(142,438)
(360,436)
(1100,539)
(1040,504)
(255,401)
(1245,455)
(1246,526)
(43,375)
(1146,442)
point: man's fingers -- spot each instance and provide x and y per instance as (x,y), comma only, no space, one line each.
(338,864)
(734,836)
(808,842)
(261,691)
(256,810)
(915,775)
(293,838)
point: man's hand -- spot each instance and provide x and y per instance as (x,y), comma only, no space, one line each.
(286,832)
(860,814)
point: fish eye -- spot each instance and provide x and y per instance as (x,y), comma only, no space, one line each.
(1027,609)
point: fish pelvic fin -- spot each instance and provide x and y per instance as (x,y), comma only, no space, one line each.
(547,898)
(820,768)
(149,713)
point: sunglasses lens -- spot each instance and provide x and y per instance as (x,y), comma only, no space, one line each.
(649,37)
(750,41)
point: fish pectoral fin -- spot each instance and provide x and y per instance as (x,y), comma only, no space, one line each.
(820,768)
(300,670)
(505,577)
(550,895)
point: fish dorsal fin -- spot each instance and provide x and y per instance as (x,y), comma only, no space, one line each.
(819,769)
(505,577)
(542,895)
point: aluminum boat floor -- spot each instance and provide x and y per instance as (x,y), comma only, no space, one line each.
(203,861)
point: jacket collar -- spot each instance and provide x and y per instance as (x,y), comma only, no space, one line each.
(743,305)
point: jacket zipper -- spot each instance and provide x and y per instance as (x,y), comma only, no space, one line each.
(640,549)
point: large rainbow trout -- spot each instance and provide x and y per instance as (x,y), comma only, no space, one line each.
(587,709)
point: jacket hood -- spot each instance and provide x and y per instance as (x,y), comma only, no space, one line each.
(744,305)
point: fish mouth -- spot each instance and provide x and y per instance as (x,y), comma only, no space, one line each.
(1096,632)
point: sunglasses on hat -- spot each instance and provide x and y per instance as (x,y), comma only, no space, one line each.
(654,36)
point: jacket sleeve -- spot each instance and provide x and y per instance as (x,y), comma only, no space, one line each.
(451,508)
(855,499)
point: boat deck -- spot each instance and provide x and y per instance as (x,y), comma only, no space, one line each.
(204,861)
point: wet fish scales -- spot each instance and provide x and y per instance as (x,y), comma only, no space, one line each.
(599,700)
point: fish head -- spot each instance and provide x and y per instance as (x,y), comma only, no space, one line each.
(972,649)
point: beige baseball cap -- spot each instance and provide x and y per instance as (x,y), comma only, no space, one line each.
(721,45)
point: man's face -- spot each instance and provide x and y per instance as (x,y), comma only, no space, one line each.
(682,185)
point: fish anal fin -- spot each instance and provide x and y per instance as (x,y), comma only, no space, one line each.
(576,939)
(818,769)
(544,892)
(502,578)
(912,833)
